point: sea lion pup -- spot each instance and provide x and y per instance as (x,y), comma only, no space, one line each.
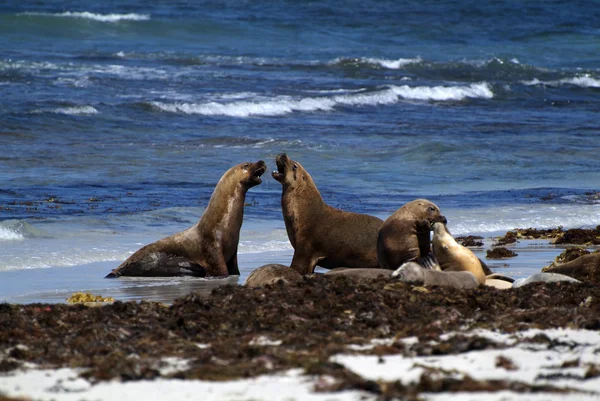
(585,268)
(544,278)
(453,257)
(209,248)
(413,273)
(320,234)
(404,236)
(272,274)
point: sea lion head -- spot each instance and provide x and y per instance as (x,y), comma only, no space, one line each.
(442,240)
(248,174)
(422,209)
(410,272)
(289,171)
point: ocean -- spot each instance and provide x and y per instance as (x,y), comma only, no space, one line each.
(117,119)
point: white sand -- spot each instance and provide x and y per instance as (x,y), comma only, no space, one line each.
(532,361)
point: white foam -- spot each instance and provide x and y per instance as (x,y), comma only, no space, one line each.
(503,219)
(268,246)
(394,64)
(8,234)
(94,16)
(73,111)
(282,105)
(583,81)
(444,93)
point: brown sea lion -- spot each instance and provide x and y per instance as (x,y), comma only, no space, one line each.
(413,273)
(272,274)
(452,256)
(404,236)
(209,248)
(585,268)
(320,234)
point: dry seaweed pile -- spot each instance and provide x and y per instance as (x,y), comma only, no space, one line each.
(240,332)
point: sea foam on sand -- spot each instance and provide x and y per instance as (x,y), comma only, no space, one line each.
(531,363)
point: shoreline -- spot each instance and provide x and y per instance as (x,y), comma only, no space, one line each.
(55,285)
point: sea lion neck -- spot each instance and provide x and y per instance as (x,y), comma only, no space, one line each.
(225,204)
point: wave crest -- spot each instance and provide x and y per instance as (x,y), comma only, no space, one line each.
(93,16)
(72,111)
(285,105)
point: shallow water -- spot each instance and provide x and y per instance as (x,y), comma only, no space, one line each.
(118,118)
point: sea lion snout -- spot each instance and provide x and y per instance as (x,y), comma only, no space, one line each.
(255,172)
(281,162)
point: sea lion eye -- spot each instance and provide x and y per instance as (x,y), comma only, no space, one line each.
(431,209)
(246,165)
(294,167)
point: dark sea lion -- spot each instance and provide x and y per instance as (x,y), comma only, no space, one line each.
(209,248)
(585,268)
(404,236)
(413,273)
(453,257)
(272,274)
(320,234)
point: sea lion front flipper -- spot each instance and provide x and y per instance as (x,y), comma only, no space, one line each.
(304,262)
(429,262)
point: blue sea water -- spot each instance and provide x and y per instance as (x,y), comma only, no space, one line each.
(117,118)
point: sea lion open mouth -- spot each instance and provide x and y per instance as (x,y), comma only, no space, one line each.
(281,162)
(260,168)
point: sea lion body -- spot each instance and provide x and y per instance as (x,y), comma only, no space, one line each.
(414,273)
(320,234)
(272,274)
(405,235)
(544,278)
(453,257)
(585,268)
(209,248)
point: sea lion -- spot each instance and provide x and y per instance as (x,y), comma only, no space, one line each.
(359,272)
(498,280)
(585,268)
(413,273)
(404,236)
(272,274)
(453,257)
(209,248)
(544,278)
(321,234)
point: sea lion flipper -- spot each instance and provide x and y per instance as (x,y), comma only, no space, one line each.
(304,262)
(232,266)
(159,264)
(429,262)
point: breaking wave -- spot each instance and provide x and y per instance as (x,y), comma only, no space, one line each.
(282,105)
(73,111)
(583,81)
(93,16)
